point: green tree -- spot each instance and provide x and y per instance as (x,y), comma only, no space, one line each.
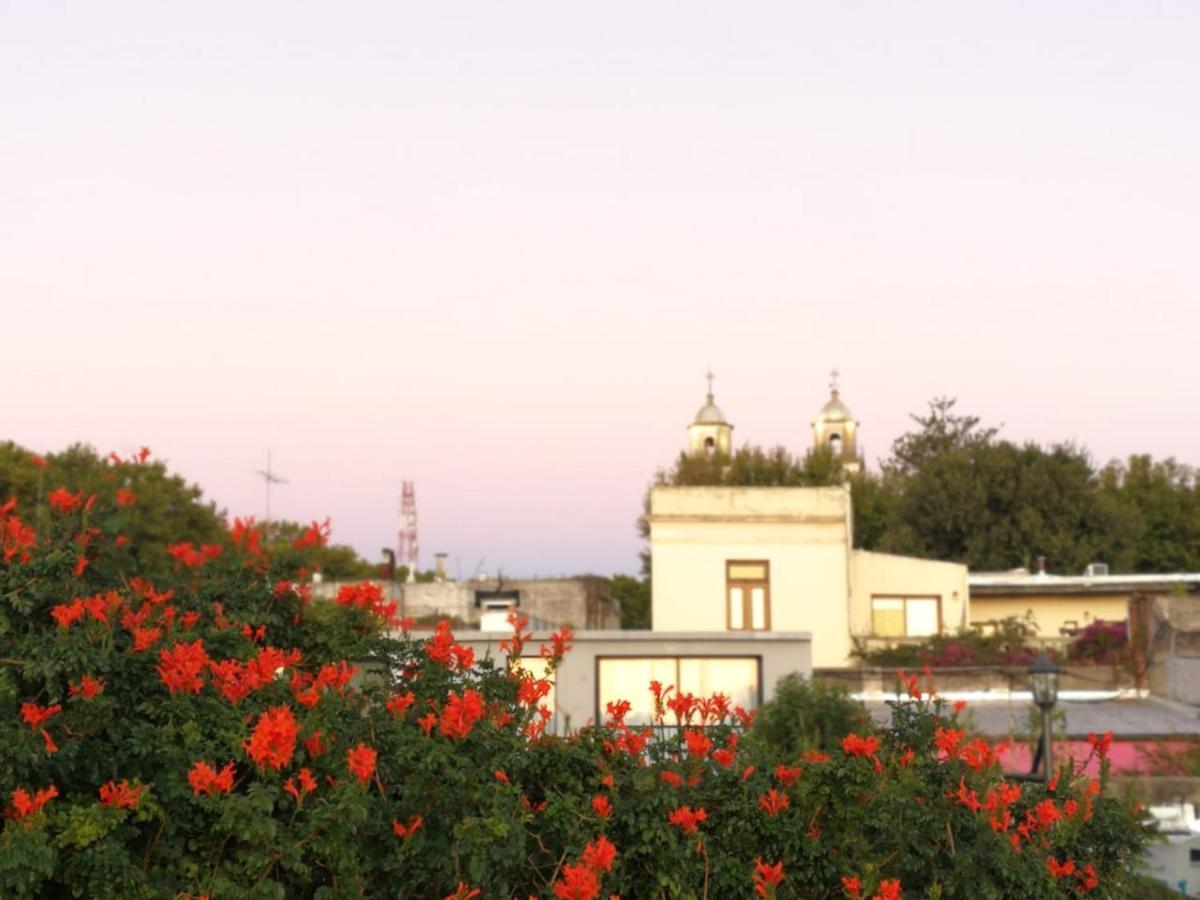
(958,492)
(138,501)
(335,561)
(634,596)
(1160,507)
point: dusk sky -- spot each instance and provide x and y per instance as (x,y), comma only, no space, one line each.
(493,247)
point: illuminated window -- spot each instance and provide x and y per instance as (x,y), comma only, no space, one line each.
(628,678)
(748,595)
(905,616)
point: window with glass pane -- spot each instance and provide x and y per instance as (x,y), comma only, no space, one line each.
(905,616)
(887,616)
(748,595)
(628,678)
(736,678)
(920,616)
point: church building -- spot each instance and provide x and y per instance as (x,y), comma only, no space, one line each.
(764,559)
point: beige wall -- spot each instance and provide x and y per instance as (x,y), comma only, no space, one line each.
(875,574)
(818,583)
(1051,611)
(803,533)
(583,602)
(575,689)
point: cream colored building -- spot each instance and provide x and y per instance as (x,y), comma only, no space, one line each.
(1062,605)
(747,559)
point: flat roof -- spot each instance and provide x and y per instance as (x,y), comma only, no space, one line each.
(1024,583)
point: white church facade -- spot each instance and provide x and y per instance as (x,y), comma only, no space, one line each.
(763,559)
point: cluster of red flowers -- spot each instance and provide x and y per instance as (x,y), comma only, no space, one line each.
(687,819)
(360,761)
(273,741)
(307,785)
(88,688)
(182,666)
(767,877)
(978,754)
(235,679)
(26,804)
(36,716)
(581,881)
(698,744)
(860,746)
(97,608)
(370,597)
(16,538)
(514,645)
(1087,875)
(560,643)
(889,888)
(460,714)
(398,704)
(1100,744)
(186,554)
(407,830)
(774,802)
(316,535)
(443,650)
(247,537)
(204,779)
(63,501)
(307,689)
(121,795)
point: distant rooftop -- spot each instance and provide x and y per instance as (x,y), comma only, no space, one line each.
(1022,581)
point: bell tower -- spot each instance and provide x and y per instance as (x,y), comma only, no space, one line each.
(836,430)
(710,434)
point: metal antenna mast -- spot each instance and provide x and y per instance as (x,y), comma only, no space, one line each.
(408,530)
(270,478)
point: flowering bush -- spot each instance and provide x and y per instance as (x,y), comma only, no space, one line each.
(221,735)
(1007,643)
(1101,642)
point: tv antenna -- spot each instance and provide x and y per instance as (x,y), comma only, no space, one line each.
(269,477)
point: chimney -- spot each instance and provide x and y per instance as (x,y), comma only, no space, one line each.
(439,567)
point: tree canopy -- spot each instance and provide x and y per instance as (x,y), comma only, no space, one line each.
(952,488)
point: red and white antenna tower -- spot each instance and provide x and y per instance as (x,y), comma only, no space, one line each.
(407,554)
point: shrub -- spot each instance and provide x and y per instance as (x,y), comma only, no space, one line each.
(1007,644)
(221,735)
(805,715)
(1101,643)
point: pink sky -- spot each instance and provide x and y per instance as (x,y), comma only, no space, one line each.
(493,247)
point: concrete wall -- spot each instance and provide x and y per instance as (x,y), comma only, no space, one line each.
(803,533)
(575,687)
(1052,612)
(583,602)
(882,574)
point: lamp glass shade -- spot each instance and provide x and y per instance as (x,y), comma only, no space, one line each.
(1043,681)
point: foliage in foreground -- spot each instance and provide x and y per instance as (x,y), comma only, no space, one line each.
(223,736)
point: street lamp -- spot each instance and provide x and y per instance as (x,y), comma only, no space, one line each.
(1043,682)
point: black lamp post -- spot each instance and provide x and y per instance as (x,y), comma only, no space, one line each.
(1043,682)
